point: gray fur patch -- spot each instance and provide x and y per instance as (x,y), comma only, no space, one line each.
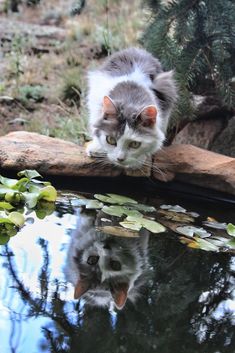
(123,62)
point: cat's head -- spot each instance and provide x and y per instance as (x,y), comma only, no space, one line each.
(106,269)
(128,132)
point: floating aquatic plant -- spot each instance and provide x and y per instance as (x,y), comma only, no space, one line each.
(136,216)
(20,195)
(115,199)
(231,229)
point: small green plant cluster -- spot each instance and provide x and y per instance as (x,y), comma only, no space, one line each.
(35,93)
(125,217)
(71,88)
(15,58)
(19,197)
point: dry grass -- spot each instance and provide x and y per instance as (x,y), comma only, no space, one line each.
(103,27)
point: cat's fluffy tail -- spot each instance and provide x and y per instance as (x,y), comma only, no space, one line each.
(165,88)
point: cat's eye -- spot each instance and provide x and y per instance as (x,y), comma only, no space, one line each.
(93,260)
(115,265)
(134,144)
(111,140)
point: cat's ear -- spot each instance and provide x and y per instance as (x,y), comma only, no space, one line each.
(119,294)
(148,116)
(109,106)
(81,288)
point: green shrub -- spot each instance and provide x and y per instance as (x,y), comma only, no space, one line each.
(31,93)
(197,39)
(70,91)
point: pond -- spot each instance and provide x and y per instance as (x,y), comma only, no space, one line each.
(146,293)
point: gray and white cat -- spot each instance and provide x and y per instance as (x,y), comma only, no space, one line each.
(130,100)
(106,270)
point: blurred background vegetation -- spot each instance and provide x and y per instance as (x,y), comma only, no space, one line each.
(48,46)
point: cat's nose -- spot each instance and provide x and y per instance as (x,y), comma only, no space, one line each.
(120,159)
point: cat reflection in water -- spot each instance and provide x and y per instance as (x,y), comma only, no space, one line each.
(130,99)
(106,270)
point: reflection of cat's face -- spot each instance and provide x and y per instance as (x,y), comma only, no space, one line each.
(105,270)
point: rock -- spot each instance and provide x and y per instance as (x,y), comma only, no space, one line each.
(51,156)
(194,165)
(225,142)
(200,133)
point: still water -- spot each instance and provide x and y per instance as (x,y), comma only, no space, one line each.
(154,294)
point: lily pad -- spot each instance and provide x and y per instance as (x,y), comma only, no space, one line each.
(133,225)
(120,211)
(231,229)
(215,224)
(190,231)
(206,245)
(89,203)
(153,226)
(231,244)
(94,205)
(118,231)
(141,207)
(115,199)
(79,202)
(173,208)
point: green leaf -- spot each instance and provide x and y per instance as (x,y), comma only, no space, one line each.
(31,199)
(231,229)
(115,199)
(48,193)
(4,239)
(29,173)
(121,199)
(5,220)
(89,203)
(231,244)
(173,208)
(120,211)
(141,207)
(14,197)
(41,214)
(94,205)
(206,245)
(79,202)
(6,205)
(17,218)
(131,224)
(215,225)
(136,223)
(4,190)
(8,181)
(190,231)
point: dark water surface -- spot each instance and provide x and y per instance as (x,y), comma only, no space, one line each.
(184,302)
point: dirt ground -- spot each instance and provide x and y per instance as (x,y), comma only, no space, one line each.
(46,50)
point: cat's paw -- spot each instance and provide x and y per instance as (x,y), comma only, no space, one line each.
(93,149)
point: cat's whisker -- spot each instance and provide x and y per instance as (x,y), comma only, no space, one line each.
(155,168)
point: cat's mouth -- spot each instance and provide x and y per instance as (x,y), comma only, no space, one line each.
(131,165)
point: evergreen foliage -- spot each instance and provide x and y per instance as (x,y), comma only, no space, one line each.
(197,39)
